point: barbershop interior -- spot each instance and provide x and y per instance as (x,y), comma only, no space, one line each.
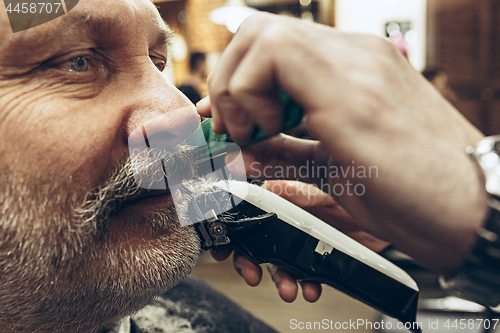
(451,42)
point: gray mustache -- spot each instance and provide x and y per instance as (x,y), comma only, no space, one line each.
(144,171)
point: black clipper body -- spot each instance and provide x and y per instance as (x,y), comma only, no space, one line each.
(269,229)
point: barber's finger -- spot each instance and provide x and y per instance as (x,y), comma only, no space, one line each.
(287,287)
(253,87)
(228,116)
(299,193)
(284,157)
(222,253)
(223,107)
(204,107)
(226,112)
(311,291)
(315,201)
(373,243)
(251,273)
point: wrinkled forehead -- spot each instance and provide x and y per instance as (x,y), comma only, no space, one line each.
(90,18)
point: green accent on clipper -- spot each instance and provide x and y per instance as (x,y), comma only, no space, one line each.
(221,143)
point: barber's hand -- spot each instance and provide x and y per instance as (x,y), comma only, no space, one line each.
(319,204)
(368,108)
(252,274)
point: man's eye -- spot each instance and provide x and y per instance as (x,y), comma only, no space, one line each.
(160,64)
(79,64)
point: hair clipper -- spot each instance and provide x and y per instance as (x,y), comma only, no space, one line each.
(269,229)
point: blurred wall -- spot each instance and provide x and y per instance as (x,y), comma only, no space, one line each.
(370,16)
(189,19)
(204,35)
(463,39)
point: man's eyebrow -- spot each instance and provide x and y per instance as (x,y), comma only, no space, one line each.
(165,35)
(71,26)
(110,27)
(97,27)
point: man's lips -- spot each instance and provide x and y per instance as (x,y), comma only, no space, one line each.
(130,210)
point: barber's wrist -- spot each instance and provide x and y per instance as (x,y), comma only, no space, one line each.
(478,278)
(462,209)
(479,213)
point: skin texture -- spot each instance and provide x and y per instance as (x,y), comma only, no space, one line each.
(80,244)
(367,107)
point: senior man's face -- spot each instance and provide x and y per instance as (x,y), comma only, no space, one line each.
(79,243)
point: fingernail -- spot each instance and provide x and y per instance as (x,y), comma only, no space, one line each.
(203,103)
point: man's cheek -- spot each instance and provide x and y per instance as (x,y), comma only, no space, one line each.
(35,129)
(20,97)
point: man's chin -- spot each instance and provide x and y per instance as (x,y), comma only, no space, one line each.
(145,262)
(149,231)
(141,254)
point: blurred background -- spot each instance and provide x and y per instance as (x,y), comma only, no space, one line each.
(454,43)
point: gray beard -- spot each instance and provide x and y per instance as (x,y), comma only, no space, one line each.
(60,271)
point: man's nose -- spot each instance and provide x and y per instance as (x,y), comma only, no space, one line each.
(162,118)
(165,130)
